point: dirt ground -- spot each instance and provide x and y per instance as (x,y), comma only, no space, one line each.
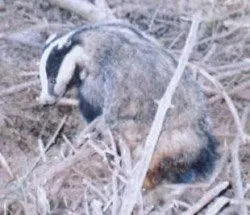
(56,182)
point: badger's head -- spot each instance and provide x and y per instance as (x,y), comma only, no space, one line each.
(60,59)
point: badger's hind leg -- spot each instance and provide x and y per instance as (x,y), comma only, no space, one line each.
(182,156)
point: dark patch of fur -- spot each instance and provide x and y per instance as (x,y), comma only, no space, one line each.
(89,111)
(56,57)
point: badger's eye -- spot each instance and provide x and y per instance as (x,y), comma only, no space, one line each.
(53,81)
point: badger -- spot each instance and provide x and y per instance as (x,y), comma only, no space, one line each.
(121,73)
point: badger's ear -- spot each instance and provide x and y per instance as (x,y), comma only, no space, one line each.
(50,39)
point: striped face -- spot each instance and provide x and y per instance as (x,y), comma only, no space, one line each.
(58,63)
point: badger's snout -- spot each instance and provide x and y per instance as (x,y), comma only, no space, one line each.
(47,99)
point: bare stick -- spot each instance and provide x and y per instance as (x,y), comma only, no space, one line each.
(217,206)
(28,74)
(245,64)
(5,165)
(229,74)
(238,184)
(18,88)
(95,189)
(135,184)
(114,175)
(218,36)
(235,90)
(61,102)
(96,207)
(97,12)
(49,144)
(236,202)
(228,100)
(207,198)
(31,35)
(154,15)
(86,204)
(67,102)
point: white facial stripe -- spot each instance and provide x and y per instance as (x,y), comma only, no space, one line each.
(67,68)
(60,42)
(65,39)
(42,71)
(50,39)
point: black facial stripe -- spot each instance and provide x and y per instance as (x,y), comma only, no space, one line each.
(75,80)
(88,110)
(88,27)
(48,44)
(55,59)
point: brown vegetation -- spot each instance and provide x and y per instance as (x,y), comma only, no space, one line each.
(51,163)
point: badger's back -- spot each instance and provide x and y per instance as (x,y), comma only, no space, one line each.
(125,75)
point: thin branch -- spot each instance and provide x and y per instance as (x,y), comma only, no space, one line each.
(86,202)
(154,15)
(31,35)
(61,102)
(96,207)
(5,165)
(67,102)
(115,188)
(207,198)
(135,184)
(237,89)
(223,75)
(217,206)
(49,144)
(245,64)
(218,36)
(93,12)
(238,184)
(18,88)
(228,100)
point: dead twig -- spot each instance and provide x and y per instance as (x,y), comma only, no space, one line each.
(233,66)
(61,102)
(86,202)
(154,15)
(237,179)
(228,100)
(115,203)
(28,74)
(67,102)
(32,36)
(49,144)
(94,12)
(5,165)
(207,198)
(239,88)
(134,186)
(96,207)
(223,75)
(218,36)
(18,88)
(217,206)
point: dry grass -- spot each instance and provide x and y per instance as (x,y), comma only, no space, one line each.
(50,163)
